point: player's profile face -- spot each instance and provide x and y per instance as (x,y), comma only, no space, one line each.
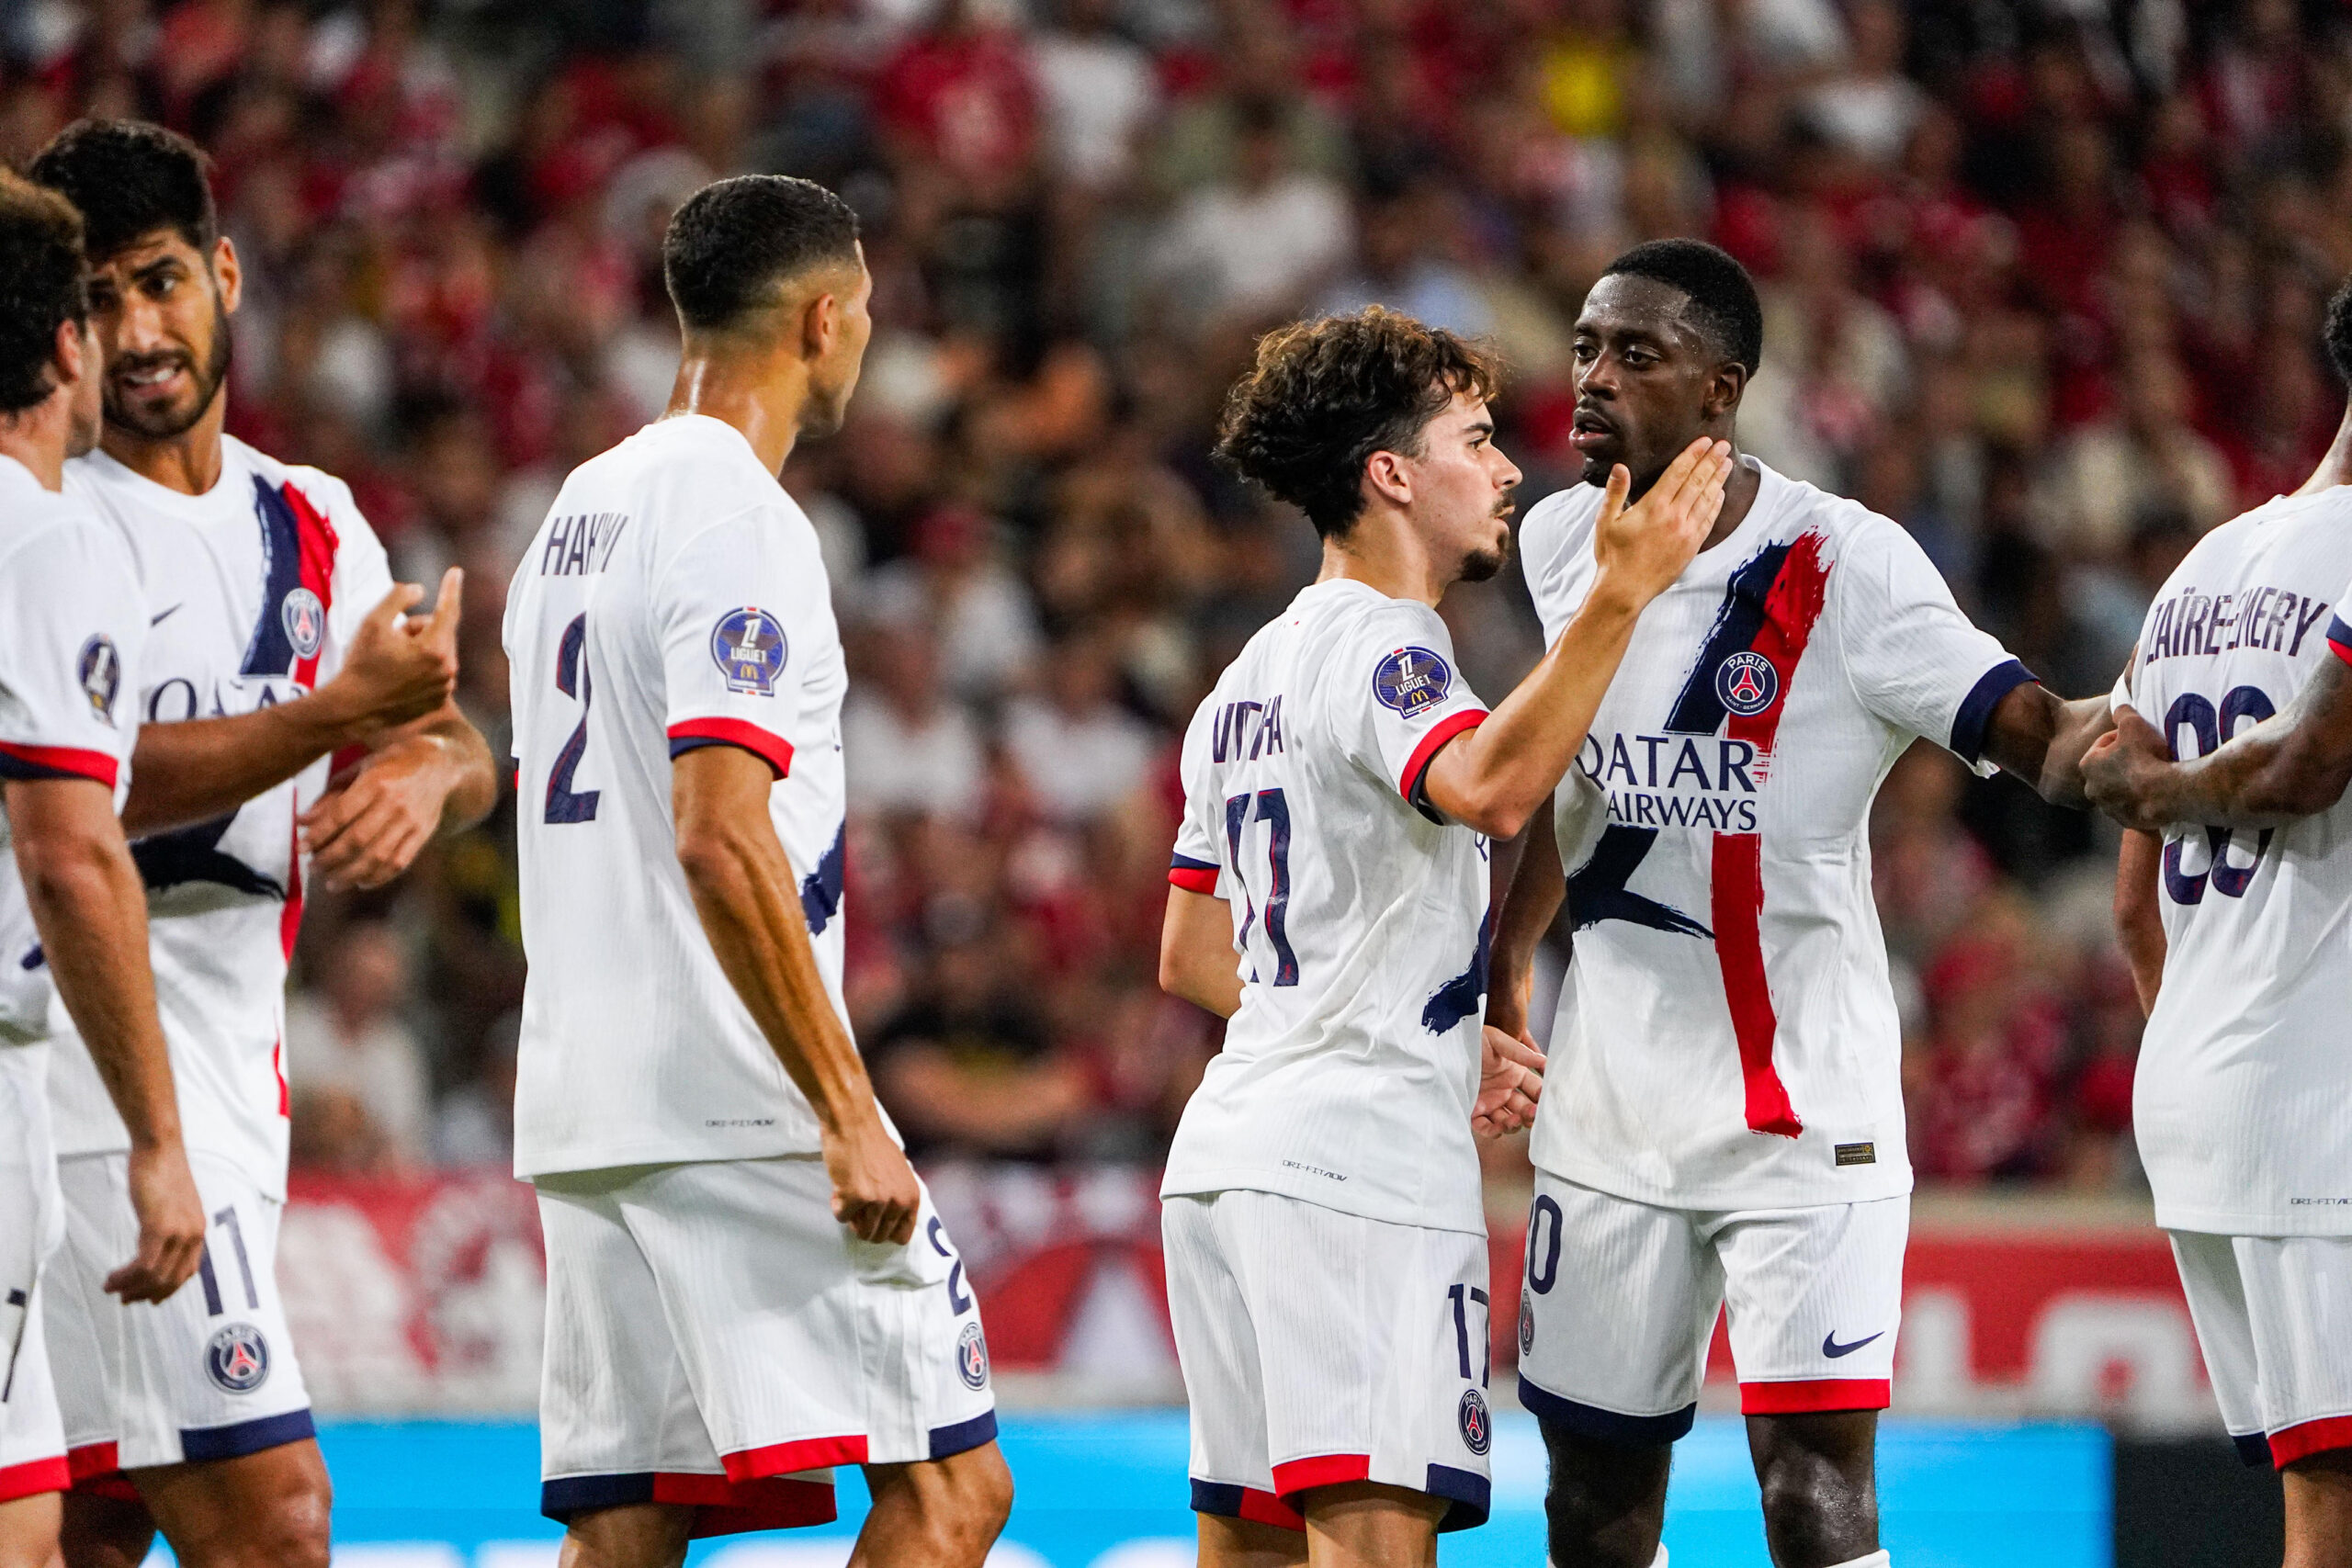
(1641,378)
(162,308)
(1463,486)
(835,377)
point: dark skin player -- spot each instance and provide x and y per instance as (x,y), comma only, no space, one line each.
(1651,378)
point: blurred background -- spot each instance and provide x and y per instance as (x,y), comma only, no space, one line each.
(2043,282)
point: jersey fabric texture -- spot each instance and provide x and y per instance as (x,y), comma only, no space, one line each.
(1620,1300)
(252,590)
(2238,1102)
(1348,1074)
(209,1374)
(715,1337)
(674,598)
(1321,1347)
(1726,1036)
(2274,1317)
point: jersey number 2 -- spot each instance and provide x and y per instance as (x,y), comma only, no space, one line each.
(571,680)
(1274,812)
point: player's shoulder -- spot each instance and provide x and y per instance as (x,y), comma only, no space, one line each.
(38,522)
(1558,525)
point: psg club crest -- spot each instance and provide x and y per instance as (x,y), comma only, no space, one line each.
(972,1357)
(238,1358)
(1412,680)
(1526,1323)
(1747,683)
(306,622)
(1477,1425)
(100,668)
(749,649)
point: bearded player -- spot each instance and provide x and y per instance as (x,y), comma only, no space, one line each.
(1324,1227)
(1723,1113)
(274,645)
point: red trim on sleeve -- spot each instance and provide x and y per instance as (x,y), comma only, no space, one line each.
(1321,1469)
(2341,651)
(318,544)
(1445,729)
(1811,1396)
(34,1477)
(772,749)
(788,1458)
(61,761)
(2307,1438)
(1192,876)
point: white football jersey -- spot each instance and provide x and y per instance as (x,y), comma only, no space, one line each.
(71,628)
(1359,916)
(252,591)
(1726,1036)
(675,597)
(2240,1100)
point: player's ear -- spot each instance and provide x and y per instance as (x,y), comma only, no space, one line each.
(1384,477)
(821,323)
(228,275)
(75,354)
(1725,389)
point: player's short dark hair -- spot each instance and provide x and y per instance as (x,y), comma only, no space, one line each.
(735,243)
(2338,332)
(130,178)
(1723,296)
(41,287)
(1325,395)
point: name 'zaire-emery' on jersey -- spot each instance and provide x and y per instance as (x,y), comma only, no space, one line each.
(2239,1100)
(1727,1035)
(674,598)
(1348,1076)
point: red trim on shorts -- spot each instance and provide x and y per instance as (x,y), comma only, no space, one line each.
(772,749)
(60,762)
(1265,1508)
(1808,1396)
(98,1472)
(2307,1438)
(730,1507)
(1320,1470)
(786,1459)
(1410,784)
(34,1477)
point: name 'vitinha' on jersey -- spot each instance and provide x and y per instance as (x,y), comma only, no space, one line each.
(1727,1033)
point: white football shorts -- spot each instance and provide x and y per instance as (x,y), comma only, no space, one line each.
(209,1374)
(2274,1318)
(33,1438)
(1619,1301)
(716,1338)
(1320,1348)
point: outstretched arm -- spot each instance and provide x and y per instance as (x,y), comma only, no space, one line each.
(1494,777)
(2042,738)
(2287,767)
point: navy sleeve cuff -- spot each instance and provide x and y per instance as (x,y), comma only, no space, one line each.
(1976,709)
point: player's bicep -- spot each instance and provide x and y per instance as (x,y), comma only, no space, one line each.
(74,624)
(1400,700)
(1915,658)
(1197,957)
(734,612)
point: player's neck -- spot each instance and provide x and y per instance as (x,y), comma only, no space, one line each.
(2336,469)
(764,396)
(1739,495)
(188,462)
(1385,553)
(35,437)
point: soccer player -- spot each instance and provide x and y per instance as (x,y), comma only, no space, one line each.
(2235,921)
(747,1285)
(1324,1229)
(71,913)
(1722,1114)
(274,644)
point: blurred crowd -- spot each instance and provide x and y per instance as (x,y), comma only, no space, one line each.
(2043,282)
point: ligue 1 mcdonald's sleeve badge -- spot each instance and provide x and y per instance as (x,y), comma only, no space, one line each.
(748,645)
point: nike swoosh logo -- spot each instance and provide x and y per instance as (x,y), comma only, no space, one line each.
(1831,1348)
(159,620)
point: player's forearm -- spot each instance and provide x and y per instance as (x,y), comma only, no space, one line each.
(744,891)
(459,760)
(202,768)
(91,912)
(1526,912)
(2139,925)
(1493,778)
(2270,775)
(1197,959)
(2041,739)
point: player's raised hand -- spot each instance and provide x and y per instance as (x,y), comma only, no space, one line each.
(1642,548)
(875,1190)
(1511,1082)
(395,671)
(2122,766)
(369,828)
(171,1226)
